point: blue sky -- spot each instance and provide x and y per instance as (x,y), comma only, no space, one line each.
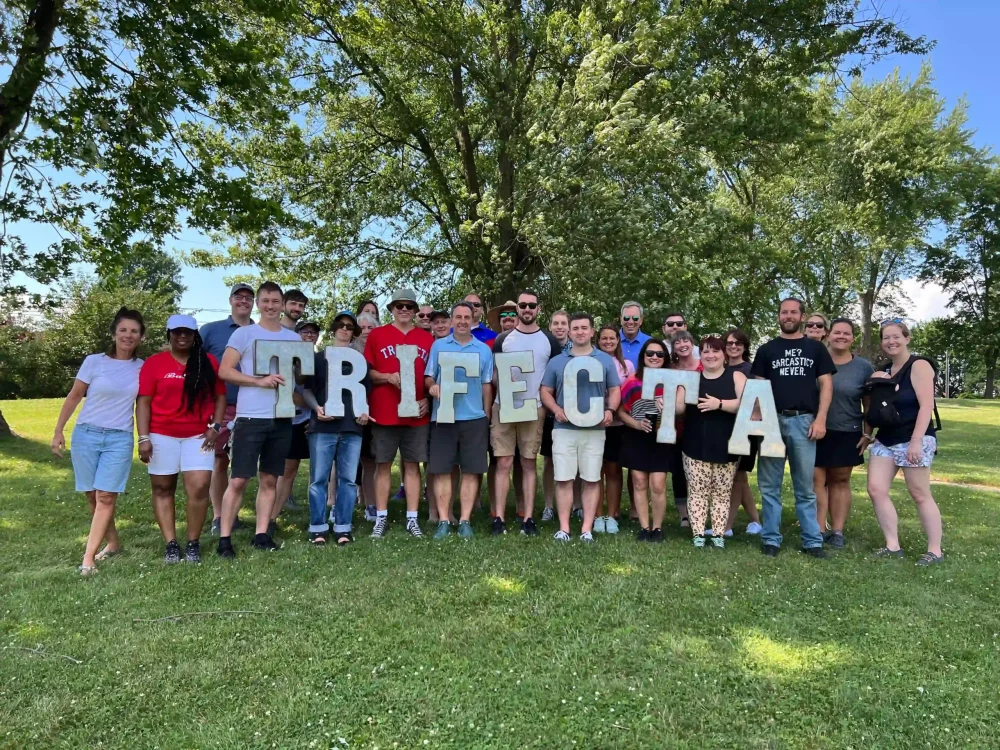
(966,52)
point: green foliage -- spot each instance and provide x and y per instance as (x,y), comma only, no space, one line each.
(563,144)
(952,344)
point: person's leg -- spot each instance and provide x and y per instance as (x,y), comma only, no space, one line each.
(918,482)
(679,484)
(822,495)
(801,463)
(383,485)
(881,470)
(266,491)
(348,453)
(699,493)
(736,496)
(468,492)
(231,503)
(590,459)
(220,481)
(838,484)
(657,498)
(591,499)
(501,467)
(518,485)
(284,487)
(525,469)
(564,503)
(640,501)
(368,470)
(104,516)
(749,504)
(442,493)
(411,482)
(630,485)
(495,499)
(613,488)
(722,482)
(196,484)
(322,454)
(164,488)
(770,473)
(548,481)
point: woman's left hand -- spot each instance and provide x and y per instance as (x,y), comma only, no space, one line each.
(915,451)
(709,403)
(210,438)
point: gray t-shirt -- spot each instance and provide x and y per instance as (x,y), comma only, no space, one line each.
(845,408)
(254,401)
(585,389)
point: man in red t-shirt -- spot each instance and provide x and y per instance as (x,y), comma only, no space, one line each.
(391,433)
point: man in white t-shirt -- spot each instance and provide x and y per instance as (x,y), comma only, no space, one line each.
(260,441)
(522,437)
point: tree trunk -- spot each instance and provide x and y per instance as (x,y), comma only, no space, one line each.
(991,370)
(5,430)
(868,345)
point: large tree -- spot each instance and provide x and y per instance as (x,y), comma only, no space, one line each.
(562,143)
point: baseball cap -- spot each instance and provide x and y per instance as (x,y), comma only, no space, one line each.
(182,321)
(403,295)
(350,316)
(439,314)
(305,323)
(240,287)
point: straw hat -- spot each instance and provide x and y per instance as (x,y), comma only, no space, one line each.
(493,316)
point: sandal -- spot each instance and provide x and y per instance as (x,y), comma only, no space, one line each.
(87,570)
(106,553)
(929,558)
(344,539)
(885,552)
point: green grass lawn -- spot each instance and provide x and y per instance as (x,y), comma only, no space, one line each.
(497,643)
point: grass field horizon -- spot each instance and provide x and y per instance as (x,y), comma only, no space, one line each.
(497,643)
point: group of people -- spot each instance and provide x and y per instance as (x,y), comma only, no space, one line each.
(203,414)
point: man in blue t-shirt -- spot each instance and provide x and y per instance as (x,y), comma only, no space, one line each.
(576,450)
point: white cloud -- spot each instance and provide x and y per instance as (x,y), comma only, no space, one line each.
(927,301)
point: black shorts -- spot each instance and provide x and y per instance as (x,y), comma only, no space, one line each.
(546,448)
(613,443)
(409,442)
(838,449)
(461,444)
(300,443)
(260,445)
(746,463)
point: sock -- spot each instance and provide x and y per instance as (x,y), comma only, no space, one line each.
(411,514)
(382,513)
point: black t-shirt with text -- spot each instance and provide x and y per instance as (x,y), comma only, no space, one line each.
(793,367)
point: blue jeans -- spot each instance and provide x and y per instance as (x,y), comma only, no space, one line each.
(801,454)
(324,449)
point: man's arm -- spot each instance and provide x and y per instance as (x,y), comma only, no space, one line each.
(229,373)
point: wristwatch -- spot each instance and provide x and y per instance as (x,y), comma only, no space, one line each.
(215,426)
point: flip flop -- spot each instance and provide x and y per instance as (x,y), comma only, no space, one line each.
(87,570)
(105,553)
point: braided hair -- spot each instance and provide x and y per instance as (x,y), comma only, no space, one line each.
(199,380)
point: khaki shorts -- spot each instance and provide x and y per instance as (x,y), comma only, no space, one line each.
(577,453)
(525,436)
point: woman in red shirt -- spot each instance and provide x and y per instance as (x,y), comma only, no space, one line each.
(181,403)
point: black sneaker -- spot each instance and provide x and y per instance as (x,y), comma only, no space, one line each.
(192,552)
(272,529)
(264,543)
(642,535)
(499,527)
(656,535)
(528,527)
(172,555)
(771,550)
(836,540)
(225,548)
(816,552)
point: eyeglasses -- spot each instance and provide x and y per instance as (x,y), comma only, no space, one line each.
(405,306)
(243,297)
(815,324)
(656,355)
(508,315)
(633,318)
(674,323)
(527,305)
(476,305)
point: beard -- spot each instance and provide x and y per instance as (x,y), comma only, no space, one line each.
(788,326)
(527,317)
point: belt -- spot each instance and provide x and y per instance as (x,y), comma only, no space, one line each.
(793,412)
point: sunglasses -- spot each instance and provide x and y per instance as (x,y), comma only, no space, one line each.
(182,332)
(476,305)
(338,326)
(733,343)
(527,305)
(888,321)
(405,306)
(423,315)
(633,318)
(674,323)
(508,315)
(816,325)
(656,355)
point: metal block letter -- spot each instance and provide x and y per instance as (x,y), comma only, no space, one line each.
(595,410)
(508,387)
(407,355)
(286,353)
(450,385)
(337,382)
(671,380)
(757,392)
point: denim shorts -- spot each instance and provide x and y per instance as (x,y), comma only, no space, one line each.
(928,447)
(102,458)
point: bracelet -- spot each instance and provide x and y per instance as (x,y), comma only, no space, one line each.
(144,439)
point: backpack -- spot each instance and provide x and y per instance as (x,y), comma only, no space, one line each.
(882,392)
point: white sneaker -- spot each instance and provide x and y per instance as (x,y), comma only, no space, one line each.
(370,513)
(599,525)
(561,536)
(754,528)
(610,525)
(587,537)
(548,514)
(728,533)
